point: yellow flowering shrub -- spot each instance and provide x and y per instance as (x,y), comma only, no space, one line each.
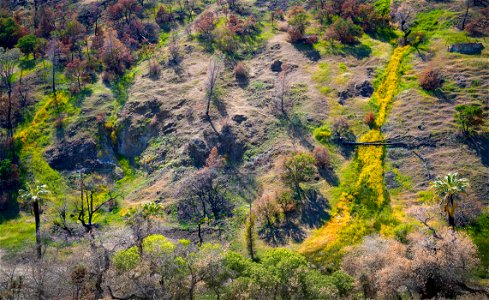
(342,228)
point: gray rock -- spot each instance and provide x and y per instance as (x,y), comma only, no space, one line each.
(467,48)
(277,66)
(136,129)
(78,153)
(197,151)
(364,89)
(239,118)
(390,180)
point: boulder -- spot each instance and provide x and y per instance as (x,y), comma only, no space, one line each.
(277,66)
(239,118)
(467,48)
(364,89)
(197,151)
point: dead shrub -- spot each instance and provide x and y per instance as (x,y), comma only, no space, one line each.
(425,265)
(370,119)
(341,130)
(154,69)
(108,77)
(295,35)
(241,71)
(322,158)
(311,39)
(431,79)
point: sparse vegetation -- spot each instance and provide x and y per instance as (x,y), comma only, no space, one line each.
(243,149)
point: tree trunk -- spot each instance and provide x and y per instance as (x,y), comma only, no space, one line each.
(199,231)
(10,127)
(465,17)
(451,212)
(209,98)
(37,216)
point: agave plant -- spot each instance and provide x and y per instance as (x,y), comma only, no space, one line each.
(448,188)
(33,195)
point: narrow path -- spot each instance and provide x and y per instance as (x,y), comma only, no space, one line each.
(371,160)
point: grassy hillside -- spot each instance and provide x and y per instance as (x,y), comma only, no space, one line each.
(244,149)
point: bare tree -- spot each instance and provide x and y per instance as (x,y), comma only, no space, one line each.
(204,195)
(426,215)
(405,16)
(8,61)
(215,68)
(282,90)
(88,206)
(53,53)
(468,4)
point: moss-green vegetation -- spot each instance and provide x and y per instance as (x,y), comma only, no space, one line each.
(479,231)
(17,234)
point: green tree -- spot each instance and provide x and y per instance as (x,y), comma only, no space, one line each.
(33,195)
(298,169)
(448,189)
(282,274)
(10,32)
(469,117)
(344,31)
(29,44)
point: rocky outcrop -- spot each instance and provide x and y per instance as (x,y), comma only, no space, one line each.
(78,153)
(467,48)
(139,122)
(363,89)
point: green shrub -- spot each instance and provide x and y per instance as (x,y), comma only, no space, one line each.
(126,260)
(470,117)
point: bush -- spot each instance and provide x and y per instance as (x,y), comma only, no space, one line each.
(430,267)
(205,24)
(469,117)
(370,119)
(295,35)
(297,24)
(311,39)
(344,31)
(341,129)
(164,18)
(29,44)
(10,32)
(126,260)
(241,71)
(322,158)
(154,68)
(431,79)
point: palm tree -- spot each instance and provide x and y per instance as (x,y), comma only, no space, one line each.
(448,188)
(33,195)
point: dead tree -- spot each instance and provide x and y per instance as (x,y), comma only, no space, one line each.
(215,68)
(88,206)
(282,90)
(8,61)
(405,16)
(468,4)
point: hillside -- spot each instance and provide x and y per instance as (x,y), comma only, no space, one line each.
(244,149)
